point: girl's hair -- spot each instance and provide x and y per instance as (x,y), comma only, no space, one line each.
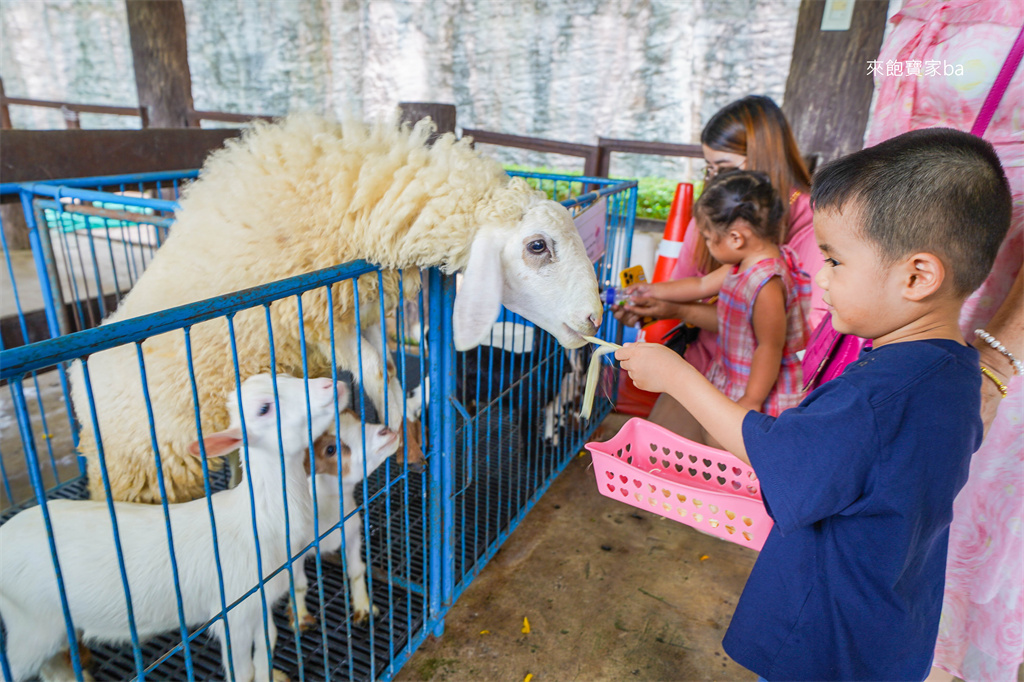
(741,194)
(756,128)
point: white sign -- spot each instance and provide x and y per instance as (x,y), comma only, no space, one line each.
(838,15)
(591,225)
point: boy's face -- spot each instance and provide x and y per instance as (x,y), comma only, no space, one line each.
(859,290)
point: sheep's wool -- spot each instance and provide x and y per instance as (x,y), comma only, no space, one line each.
(285,198)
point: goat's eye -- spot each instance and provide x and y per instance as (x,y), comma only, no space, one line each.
(537,247)
(330,450)
(264,408)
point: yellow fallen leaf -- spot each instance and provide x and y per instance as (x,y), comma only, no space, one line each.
(485,632)
(526,625)
(529,676)
(704,556)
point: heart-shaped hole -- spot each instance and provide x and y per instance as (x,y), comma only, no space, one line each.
(693,459)
(681,497)
(747,535)
(721,466)
(665,463)
(737,485)
(611,488)
(730,529)
(679,455)
(652,487)
(721,480)
(666,492)
(707,462)
(665,450)
(654,460)
(679,468)
(629,460)
(625,493)
(696,502)
(623,478)
(752,476)
(628,445)
(618,453)
(698,518)
(752,489)
(737,471)
(654,447)
(667,506)
(713,508)
(714,523)
(707,476)
(639,497)
(693,472)
(730,514)
(651,501)
(747,520)
(637,482)
(609,474)
(682,512)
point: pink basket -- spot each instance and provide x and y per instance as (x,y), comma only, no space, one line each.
(652,468)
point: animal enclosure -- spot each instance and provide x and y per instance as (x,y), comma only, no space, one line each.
(498,424)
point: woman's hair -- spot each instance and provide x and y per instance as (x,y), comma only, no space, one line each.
(741,195)
(756,128)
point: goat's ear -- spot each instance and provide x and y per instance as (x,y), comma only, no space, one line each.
(478,300)
(219,444)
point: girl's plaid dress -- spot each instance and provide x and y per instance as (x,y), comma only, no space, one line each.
(730,368)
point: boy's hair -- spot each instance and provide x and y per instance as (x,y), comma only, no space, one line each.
(939,190)
(744,194)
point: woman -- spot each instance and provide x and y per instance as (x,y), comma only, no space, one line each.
(752,134)
(981,634)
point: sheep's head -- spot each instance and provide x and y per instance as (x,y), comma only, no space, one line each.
(265,413)
(528,256)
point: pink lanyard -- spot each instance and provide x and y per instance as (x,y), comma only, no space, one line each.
(995,95)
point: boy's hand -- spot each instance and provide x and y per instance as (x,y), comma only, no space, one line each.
(650,366)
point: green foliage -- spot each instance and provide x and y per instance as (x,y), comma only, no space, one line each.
(654,195)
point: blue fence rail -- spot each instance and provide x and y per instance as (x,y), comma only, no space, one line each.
(498,424)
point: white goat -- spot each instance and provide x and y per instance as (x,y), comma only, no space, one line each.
(380,443)
(29,600)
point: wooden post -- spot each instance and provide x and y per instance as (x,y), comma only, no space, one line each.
(160,55)
(5,111)
(828,92)
(443,115)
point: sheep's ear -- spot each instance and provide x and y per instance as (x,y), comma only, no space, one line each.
(478,300)
(219,444)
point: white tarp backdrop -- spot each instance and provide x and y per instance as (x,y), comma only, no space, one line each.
(562,69)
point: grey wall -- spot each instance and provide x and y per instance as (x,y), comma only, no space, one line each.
(561,69)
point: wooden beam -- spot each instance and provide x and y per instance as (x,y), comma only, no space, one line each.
(443,115)
(30,155)
(828,92)
(156,29)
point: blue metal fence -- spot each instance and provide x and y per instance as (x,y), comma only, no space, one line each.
(498,425)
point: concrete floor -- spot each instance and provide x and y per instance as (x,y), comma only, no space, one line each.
(611,592)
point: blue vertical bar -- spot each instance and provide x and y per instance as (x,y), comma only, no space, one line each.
(447,410)
(43,258)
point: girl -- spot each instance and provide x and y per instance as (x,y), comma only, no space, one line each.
(763,296)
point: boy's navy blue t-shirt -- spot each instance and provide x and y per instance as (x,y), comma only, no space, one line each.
(860,479)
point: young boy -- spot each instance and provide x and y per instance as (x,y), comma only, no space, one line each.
(860,477)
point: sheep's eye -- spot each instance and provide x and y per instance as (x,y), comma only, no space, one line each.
(330,450)
(537,247)
(264,408)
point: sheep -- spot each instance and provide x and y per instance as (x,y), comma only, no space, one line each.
(83,533)
(302,194)
(380,443)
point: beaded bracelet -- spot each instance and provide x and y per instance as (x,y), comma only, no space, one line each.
(1018,366)
(991,375)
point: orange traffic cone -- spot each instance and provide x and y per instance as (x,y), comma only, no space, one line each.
(631,399)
